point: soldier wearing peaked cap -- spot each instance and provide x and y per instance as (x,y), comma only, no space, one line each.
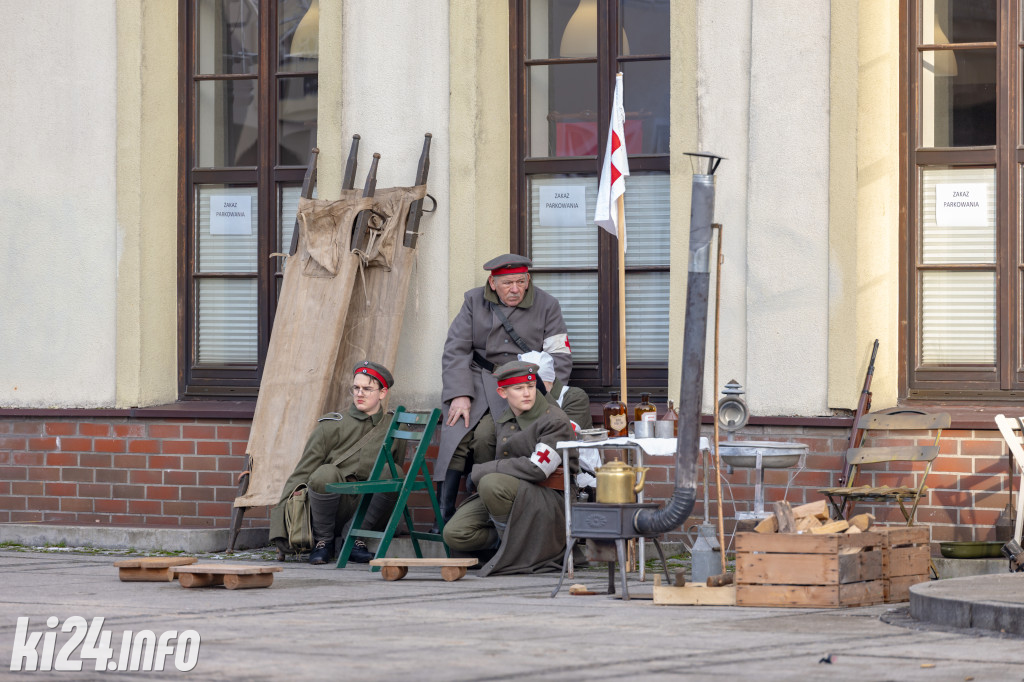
(514,524)
(574,401)
(507,316)
(342,447)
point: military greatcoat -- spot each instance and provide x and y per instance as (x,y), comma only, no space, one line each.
(574,401)
(339,440)
(537,320)
(534,539)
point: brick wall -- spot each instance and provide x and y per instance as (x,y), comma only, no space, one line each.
(183,472)
(122,471)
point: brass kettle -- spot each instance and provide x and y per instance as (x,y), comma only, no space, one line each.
(617,482)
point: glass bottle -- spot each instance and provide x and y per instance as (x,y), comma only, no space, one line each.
(645,411)
(615,417)
(672,416)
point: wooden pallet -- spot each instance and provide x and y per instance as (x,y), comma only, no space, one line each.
(154,569)
(906,554)
(231,576)
(693,594)
(397,568)
(830,570)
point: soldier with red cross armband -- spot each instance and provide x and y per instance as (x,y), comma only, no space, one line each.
(507,316)
(515,523)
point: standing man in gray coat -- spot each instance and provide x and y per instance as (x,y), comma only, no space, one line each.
(497,322)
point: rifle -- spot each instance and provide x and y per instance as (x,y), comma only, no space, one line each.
(863,406)
(306,193)
(363,219)
(412,226)
(348,182)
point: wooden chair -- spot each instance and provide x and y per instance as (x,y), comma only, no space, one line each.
(1012,429)
(890,420)
(416,428)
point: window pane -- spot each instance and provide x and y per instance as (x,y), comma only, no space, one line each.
(562,230)
(228,36)
(646,205)
(227,330)
(226,123)
(646,317)
(645,24)
(577,294)
(296,119)
(645,90)
(298,40)
(958,98)
(958,215)
(287,210)
(958,318)
(562,106)
(227,225)
(949,21)
(550,34)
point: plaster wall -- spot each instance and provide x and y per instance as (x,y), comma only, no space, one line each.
(147,209)
(876,268)
(384,75)
(723,112)
(788,209)
(59,223)
(864,202)
(480,121)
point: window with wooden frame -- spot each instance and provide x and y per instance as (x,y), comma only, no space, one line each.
(565,54)
(248,112)
(962,265)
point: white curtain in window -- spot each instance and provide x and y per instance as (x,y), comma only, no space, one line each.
(227,333)
(958,308)
(227,310)
(576,246)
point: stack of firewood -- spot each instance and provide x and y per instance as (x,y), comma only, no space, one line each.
(811,518)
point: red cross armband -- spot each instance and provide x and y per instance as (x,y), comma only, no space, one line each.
(546,457)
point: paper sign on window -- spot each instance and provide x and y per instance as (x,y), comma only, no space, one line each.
(563,206)
(231,214)
(962,205)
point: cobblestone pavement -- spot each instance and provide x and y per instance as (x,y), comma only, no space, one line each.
(323,623)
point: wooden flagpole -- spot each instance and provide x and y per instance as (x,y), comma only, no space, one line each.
(622,298)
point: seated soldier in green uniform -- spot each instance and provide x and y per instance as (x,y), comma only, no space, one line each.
(513,523)
(342,447)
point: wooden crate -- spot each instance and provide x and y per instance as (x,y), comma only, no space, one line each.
(830,570)
(906,555)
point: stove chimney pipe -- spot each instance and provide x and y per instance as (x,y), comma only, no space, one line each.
(691,392)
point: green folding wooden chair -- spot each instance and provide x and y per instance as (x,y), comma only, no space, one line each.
(416,429)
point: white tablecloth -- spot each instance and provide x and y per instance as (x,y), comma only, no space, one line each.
(650,446)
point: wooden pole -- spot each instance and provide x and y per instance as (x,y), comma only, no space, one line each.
(718,460)
(622,299)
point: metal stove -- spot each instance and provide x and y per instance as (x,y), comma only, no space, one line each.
(612,524)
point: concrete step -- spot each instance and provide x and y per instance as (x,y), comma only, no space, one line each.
(196,540)
(190,540)
(985,602)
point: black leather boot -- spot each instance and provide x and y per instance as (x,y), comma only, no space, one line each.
(323,511)
(449,493)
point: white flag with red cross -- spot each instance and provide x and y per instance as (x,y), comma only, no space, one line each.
(546,457)
(614,169)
